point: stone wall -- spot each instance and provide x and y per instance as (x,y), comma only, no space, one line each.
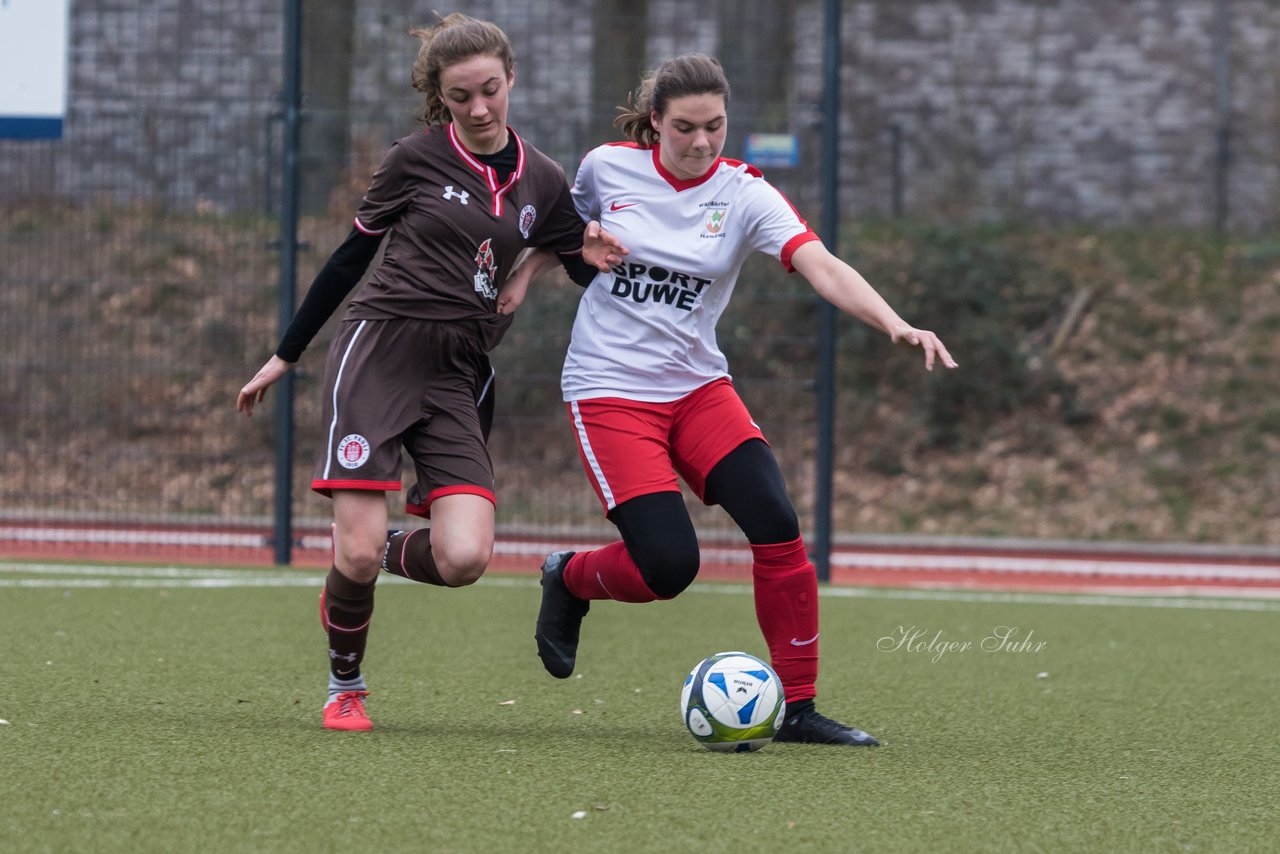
(1055,110)
(1066,111)
(171,102)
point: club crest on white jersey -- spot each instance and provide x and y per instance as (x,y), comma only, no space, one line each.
(713,219)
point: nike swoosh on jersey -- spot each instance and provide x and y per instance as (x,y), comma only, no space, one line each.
(795,642)
(617,207)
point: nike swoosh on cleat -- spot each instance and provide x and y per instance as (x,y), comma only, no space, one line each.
(617,207)
(553,647)
(795,642)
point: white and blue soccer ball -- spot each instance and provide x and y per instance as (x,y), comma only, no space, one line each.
(732,701)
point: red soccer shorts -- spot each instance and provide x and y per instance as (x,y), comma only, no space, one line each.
(631,448)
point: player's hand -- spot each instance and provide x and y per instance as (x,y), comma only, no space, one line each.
(513,292)
(256,388)
(924,339)
(600,248)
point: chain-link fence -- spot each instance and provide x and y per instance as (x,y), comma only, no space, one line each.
(137,252)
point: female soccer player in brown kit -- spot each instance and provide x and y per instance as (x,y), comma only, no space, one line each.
(456,204)
(648,390)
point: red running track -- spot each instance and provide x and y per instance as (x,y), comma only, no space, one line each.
(968,564)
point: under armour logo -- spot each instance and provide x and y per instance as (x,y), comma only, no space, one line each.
(450,194)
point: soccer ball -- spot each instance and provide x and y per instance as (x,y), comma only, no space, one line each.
(732,701)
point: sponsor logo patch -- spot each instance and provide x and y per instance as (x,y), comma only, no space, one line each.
(486,270)
(645,284)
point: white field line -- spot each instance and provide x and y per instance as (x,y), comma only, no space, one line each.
(844,557)
(130,571)
(150,577)
(109,536)
(1036,565)
(1058,566)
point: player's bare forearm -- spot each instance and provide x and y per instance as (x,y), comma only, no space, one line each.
(535,263)
(846,289)
(514,290)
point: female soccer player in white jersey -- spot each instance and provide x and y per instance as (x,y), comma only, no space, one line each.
(648,390)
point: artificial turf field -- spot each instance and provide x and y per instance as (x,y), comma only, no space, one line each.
(179,710)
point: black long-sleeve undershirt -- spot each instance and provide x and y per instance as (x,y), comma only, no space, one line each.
(343,271)
(580,272)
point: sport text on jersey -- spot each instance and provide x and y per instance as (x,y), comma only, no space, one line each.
(641,283)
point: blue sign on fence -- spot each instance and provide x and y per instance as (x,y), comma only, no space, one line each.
(773,149)
(33,68)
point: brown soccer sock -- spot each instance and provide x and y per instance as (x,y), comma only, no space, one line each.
(408,555)
(348,609)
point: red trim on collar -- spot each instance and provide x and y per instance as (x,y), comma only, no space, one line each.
(680,183)
(497,190)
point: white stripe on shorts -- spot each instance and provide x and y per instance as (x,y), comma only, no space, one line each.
(337,383)
(591,456)
(484,392)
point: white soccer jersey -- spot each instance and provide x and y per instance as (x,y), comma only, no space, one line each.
(647,329)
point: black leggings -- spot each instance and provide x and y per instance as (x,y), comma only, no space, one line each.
(658,532)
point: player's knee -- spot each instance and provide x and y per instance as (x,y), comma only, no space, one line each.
(777,526)
(670,571)
(460,564)
(774,520)
(360,561)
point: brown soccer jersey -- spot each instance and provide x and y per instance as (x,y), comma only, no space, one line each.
(455,232)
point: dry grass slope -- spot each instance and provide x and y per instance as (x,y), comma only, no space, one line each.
(1113,385)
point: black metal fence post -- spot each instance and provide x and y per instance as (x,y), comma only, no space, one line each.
(283,521)
(825,462)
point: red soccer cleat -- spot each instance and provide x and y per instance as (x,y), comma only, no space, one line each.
(345,711)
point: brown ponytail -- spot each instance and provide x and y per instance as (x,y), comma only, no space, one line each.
(450,41)
(690,74)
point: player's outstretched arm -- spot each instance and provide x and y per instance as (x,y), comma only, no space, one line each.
(256,389)
(846,289)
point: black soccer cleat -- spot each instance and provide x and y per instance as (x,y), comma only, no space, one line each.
(559,618)
(809,727)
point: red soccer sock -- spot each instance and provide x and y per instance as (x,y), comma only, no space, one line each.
(607,573)
(786,593)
